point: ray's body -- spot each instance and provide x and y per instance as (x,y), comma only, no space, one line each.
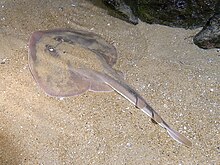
(71,62)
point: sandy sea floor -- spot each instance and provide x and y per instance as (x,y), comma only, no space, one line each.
(179,80)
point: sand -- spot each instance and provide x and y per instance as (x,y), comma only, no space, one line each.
(179,80)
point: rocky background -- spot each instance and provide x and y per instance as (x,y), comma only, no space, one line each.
(188,14)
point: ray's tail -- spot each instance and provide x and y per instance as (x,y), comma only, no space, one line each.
(130,94)
(174,134)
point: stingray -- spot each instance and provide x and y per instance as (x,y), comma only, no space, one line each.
(70,62)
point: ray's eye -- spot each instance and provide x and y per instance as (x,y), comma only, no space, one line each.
(51,50)
(59,39)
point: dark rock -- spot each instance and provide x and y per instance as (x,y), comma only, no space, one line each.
(123,9)
(118,9)
(176,13)
(209,36)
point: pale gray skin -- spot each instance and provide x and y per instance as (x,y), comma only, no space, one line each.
(71,62)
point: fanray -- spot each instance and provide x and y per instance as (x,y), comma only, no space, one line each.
(71,62)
